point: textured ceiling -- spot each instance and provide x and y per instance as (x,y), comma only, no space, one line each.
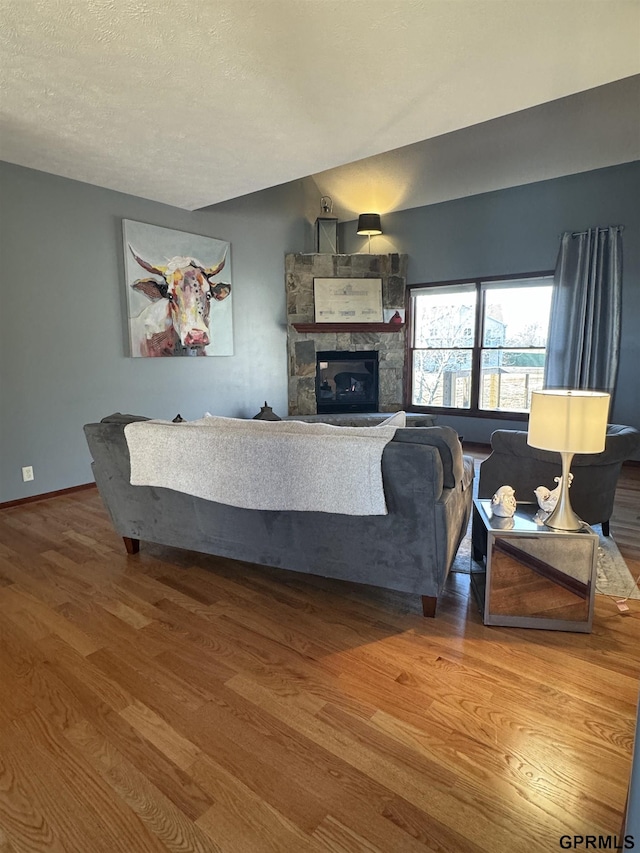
(192,102)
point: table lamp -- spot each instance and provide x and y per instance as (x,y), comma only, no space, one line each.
(568,421)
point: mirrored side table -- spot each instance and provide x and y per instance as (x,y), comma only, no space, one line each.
(527,575)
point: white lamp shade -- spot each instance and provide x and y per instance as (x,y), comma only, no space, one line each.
(568,421)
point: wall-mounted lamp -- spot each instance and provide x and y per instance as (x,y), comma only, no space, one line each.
(326,228)
(369,224)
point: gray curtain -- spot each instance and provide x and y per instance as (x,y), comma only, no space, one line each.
(584,330)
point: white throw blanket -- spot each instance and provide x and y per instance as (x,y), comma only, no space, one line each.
(274,465)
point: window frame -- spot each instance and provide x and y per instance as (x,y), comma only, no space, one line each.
(476,350)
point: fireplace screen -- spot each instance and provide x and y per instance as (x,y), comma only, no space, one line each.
(346,382)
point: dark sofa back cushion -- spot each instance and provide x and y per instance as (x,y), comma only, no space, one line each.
(446,440)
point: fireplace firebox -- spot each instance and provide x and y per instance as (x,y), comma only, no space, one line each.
(346,382)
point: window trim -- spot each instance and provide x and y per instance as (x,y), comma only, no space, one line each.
(477,349)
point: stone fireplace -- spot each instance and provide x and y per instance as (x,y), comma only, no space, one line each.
(305,339)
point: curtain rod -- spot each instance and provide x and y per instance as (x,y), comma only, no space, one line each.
(603,228)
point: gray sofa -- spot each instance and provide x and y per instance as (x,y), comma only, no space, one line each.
(428,489)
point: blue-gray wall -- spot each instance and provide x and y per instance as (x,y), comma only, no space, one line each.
(64,345)
(517,231)
(64,351)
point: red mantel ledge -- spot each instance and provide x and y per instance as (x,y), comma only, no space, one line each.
(347,327)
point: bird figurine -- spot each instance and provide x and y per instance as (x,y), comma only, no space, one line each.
(547,499)
(503,503)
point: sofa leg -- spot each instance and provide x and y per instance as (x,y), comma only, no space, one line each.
(429,605)
(605,528)
(132,545)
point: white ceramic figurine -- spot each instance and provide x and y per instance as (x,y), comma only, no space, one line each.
(503,503)
(547,500)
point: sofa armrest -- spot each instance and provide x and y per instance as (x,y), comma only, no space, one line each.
(446,440)
(119,418)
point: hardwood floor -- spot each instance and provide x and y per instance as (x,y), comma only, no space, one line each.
(173,701)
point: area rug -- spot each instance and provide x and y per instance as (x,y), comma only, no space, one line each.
(614,577)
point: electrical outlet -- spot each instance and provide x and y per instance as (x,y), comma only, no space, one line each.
(27,473)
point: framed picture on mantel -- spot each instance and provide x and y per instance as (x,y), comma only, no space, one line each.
(347,300)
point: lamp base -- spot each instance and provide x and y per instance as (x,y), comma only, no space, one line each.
(563,517)
(565,520)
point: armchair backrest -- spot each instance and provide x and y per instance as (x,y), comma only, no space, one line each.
(513,462)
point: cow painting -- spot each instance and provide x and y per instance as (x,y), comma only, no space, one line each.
(175,306)
(177,321)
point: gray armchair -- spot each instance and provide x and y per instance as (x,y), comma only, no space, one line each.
(513,462)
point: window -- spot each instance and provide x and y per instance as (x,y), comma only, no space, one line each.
(479,346)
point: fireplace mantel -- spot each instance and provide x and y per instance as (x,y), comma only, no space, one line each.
(327,328)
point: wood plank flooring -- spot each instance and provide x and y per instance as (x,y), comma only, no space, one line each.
(170,701)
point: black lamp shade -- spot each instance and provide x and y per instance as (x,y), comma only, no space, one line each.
(369,223)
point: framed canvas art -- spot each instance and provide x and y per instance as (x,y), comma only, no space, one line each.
(179,294)
(347,300)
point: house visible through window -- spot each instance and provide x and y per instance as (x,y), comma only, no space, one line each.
(479,346)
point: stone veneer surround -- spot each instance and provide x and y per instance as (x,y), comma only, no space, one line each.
(300,270)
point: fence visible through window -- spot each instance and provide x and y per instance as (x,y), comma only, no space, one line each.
(479,345)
